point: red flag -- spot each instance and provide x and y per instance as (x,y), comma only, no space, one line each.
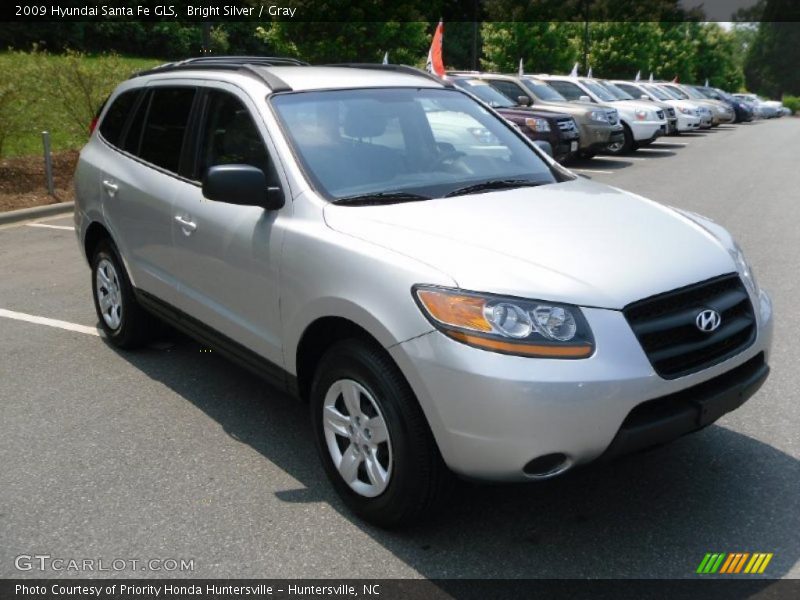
(435,64)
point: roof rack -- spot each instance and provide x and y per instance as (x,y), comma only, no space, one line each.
(398,68)
(233,63)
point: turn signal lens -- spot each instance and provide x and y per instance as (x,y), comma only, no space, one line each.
(507,325)
(458,311)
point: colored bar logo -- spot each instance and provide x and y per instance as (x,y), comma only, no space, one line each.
(728,563)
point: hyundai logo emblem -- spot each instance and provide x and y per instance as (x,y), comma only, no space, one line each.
(708,320)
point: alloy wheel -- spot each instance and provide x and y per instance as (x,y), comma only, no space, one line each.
(109,295)
(357,437)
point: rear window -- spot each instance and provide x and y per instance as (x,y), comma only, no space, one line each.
(117,115)
(165,126)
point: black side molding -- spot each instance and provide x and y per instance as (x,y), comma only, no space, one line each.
(274,374)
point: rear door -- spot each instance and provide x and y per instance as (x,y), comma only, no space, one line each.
(140,183)
(227,256)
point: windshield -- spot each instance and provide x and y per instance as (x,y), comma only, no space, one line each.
(693,93)
(658,92)
(485,92)
(426,142)
(675,92)
(599,91)
(543,91)
(617,92)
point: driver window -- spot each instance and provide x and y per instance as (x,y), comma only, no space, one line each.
(229,136)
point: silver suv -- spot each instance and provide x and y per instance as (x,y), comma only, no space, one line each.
(446,298)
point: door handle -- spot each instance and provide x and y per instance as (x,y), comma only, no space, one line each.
(111,187)
(186,225)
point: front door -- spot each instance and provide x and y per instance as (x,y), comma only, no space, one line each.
(228,255)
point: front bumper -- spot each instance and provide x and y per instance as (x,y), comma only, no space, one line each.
(687,122)
(596,135)
(492,414)
(645,131)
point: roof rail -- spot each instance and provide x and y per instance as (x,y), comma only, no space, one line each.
(233,63)
(398,68)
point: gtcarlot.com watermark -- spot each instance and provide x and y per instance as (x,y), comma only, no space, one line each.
(46,562)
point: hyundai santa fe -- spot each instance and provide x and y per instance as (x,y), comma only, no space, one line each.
(449,304)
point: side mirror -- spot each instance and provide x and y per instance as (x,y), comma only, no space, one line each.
(524,101)
(644,97)
(241,184)
(584,98)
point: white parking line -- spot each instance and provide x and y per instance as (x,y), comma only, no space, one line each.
(594,171)
(621,158)
(18,316)
(670,144)
(65,227)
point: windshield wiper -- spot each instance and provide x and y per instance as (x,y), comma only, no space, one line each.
(380,198)
(492,184)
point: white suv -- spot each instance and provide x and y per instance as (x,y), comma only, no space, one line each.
(447,299)
(642,121)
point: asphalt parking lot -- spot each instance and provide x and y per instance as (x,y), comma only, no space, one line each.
(172,452)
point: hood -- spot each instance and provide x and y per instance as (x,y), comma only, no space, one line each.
(570,108)
(577,242)
(527,113)
(633,105)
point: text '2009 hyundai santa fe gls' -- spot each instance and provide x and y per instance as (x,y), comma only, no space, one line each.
(446,298)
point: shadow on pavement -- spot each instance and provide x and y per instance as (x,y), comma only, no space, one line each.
(649,515)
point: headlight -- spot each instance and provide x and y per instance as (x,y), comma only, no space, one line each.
(507,325)
(598,115)
(745,272)
(641,115)
(686,111)
(537,124)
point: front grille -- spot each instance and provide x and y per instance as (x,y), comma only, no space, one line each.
(671,112)
(665,325)
(613,117)
(660,114)
(567,124)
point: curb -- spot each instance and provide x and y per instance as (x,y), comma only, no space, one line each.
(25,214)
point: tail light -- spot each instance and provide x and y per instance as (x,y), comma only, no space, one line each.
(93,124)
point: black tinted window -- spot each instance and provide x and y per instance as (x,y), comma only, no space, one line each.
(133,137)
(508,89)
(116,116)
(165,126)
(569,90)
(230,136)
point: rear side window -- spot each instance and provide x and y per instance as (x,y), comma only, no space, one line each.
(165,126)
(133,138)
(117,115)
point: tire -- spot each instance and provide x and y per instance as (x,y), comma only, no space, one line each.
(125,324)
(627,145)
(587,154)
(416,479)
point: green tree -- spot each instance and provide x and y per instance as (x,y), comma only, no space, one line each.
(717,59)
(620,49)
(332,42)
(544,47)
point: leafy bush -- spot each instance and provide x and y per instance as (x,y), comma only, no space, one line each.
(56,93)
(792,103)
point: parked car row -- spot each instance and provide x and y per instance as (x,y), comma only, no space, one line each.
(609,116)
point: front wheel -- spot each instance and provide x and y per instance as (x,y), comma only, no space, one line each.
(373,439)
(625,146)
